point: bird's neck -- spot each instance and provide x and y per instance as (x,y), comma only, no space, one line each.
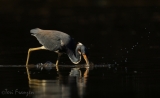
(74,57)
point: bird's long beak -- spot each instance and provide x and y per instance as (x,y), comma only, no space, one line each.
(86,59)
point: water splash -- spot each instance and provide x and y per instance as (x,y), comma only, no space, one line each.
(47,65)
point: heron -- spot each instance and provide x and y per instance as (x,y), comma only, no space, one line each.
(60,43)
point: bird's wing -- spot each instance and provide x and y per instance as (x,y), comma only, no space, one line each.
(49,40)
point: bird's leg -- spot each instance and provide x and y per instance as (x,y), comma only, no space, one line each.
(31,49)
(86,73)
(59,54)
(86,59)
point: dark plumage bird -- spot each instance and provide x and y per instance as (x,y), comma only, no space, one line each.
(60,43)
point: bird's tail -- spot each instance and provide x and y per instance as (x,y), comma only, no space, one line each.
(34,31)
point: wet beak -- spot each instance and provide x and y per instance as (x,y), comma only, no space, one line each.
(86,59)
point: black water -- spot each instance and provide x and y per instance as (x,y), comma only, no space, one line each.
(123,39)
(103,81)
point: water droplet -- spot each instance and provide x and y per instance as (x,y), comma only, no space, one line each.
(149,32)
(132,48)
(115,62)
(125,60)
(121,49)
(102,57)
(148,36)
(127,51)
(125,48)
(137,43)
(18,70)
(135,71)
(145,28)
(109,66)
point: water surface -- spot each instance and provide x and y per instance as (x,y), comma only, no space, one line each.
(103,81)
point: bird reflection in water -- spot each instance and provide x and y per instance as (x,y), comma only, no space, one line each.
(72,85)
(78,82)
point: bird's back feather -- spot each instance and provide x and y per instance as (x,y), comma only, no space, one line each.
(52,39)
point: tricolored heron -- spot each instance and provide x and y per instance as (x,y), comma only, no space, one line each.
(60,43)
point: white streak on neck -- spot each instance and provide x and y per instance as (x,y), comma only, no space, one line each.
(77,61)
(79,43)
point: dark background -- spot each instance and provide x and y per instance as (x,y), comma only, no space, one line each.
(114,31)
(124,32)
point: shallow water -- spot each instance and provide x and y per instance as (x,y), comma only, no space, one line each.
(103,81)
(123,43)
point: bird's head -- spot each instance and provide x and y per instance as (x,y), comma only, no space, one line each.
(81,48)
(34,31)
